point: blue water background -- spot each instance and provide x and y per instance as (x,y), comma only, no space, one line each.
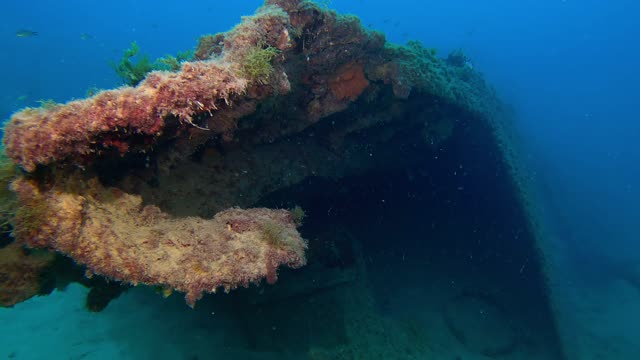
(570,69)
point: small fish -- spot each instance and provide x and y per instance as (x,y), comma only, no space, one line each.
(23,33)
(85,36)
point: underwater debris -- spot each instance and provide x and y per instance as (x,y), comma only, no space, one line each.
(114,235)
(203,92)
(110,180)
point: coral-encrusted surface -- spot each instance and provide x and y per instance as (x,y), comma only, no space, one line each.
(114,235)
(294,91)
(132,119)
(329,59)
(22,275)
(118,119)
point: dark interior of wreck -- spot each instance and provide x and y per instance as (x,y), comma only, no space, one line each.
(433,215)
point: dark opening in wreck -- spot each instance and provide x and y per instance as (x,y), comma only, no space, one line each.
(437,220)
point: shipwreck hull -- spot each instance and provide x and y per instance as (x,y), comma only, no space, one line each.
(401,160)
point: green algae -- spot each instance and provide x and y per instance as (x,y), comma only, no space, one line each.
(256,64)
(133,67)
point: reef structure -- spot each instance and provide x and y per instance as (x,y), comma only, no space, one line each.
(155,184)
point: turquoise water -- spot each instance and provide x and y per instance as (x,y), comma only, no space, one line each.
(568,69)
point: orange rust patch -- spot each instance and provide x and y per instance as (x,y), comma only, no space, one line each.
(349,82)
